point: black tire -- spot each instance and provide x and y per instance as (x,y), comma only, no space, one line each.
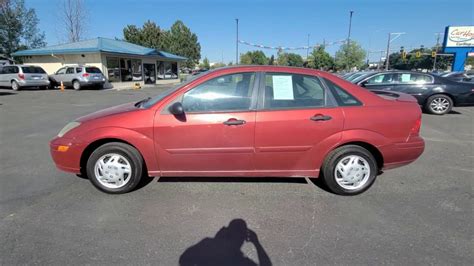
(432,107)
(44,87)
(335,156)
(76,85)
(125,150)
(15,86)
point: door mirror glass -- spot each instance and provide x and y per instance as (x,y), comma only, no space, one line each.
(176,108)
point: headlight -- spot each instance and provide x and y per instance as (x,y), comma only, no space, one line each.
(67,128)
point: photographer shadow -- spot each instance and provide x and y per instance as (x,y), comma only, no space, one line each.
(225,248)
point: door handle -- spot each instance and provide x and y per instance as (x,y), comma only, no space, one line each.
(234,122)
(320,118)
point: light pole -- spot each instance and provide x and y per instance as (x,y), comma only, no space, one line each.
(350,27)
(307,49)
(437,46)
(237,42)
(387,56)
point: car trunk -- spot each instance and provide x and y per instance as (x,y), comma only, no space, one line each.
(395,96)
(94,73)
(34,73)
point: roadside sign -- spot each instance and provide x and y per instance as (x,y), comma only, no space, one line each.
(433,54)
(418,54)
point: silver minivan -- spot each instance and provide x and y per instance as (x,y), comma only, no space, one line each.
(78,76)
(22,76)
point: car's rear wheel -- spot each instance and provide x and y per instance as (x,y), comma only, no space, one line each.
(15,86)
(115,168)
(439,104)
(349,170)
(76,85)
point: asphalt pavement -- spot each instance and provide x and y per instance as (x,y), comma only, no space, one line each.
(418,214)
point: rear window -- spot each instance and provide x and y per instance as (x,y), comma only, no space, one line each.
(32,70)
(93,70)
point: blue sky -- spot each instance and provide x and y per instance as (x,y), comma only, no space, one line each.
(273,23)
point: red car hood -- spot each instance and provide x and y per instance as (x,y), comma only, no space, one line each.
(119,109)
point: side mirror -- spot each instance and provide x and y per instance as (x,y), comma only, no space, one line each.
(176,109)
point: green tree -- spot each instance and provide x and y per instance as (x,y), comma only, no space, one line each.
(230,63)
(150,35)
(425,61)
(178,40)
(349,56)
(290,59)
(205,63)
(218,65)
(320,59)
(18,27)
(181,41)
(253,58)
(271,62)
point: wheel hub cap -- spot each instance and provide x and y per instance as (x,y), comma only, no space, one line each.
(439,105)
(352,172)
(113,170)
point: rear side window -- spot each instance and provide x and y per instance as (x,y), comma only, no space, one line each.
(70,70)
(414,78)
(32,70)
(78,70)
(93,70)
(343,98)
(10,70)
(293,91)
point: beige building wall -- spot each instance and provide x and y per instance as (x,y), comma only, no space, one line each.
(51,63)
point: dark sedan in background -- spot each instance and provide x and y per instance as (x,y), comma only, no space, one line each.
(436,94)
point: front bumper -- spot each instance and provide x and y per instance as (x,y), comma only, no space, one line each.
(68,160)
(402,153)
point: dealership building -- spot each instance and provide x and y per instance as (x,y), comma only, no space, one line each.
(120,61)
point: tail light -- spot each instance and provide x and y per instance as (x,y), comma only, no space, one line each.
(85,75)
(415,130)
(21,76)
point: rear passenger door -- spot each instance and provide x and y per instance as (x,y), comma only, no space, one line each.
(413,83)
(297,118)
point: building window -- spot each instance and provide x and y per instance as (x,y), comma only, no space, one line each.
(167,70)
(113,69)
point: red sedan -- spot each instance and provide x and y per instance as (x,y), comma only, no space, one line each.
(251,121)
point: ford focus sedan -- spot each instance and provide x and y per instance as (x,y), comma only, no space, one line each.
(247,121)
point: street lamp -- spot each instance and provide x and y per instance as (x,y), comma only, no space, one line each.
(387,57)
(237,42)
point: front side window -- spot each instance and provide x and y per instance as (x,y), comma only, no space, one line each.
(61,71)
(381,79)
(225,93)
(284,90)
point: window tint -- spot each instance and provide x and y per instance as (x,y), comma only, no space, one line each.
(93,70)
(225,93)
(381,79)
(70,70)
(32,70)
(284,90)
(1,71)
(61,71)
(343,98)
(78,69)
(414,78)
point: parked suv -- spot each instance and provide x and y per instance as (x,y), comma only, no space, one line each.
(78,76)
(21,76)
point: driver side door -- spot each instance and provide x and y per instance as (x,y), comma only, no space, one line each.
(215,136)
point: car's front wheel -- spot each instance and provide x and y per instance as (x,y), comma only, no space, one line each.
(349,170)
(439,104)
(115,168)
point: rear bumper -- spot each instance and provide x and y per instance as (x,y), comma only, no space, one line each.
(69,160)
(33,83)
(403,153)
(92,82)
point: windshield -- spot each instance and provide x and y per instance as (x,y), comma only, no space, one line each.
(169,91)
